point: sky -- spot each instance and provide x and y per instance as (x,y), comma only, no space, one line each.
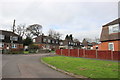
(82,19)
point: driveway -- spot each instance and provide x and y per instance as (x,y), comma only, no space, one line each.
(28,66)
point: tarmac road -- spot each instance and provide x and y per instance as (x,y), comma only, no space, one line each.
(28,66)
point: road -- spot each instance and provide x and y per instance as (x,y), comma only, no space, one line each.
(28,66)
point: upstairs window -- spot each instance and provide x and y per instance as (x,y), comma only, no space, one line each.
(44,40)
(114,28)
(56,42)
(1,44)
(2,36)
(61,43)
(49,41)
(53,41)
(14,38)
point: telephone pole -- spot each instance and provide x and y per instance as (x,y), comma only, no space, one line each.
(14,26)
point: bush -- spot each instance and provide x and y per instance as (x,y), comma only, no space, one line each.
(32,46)
(16,51)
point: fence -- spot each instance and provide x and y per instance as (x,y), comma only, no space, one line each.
(98,54)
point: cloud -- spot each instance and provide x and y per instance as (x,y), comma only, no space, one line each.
(82,19)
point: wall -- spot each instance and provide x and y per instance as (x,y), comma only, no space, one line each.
(104,45)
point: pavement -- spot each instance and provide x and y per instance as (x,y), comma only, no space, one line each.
(28,66)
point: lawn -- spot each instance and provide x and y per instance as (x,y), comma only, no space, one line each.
(86,67)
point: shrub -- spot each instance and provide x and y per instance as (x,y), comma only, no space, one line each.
(32,46)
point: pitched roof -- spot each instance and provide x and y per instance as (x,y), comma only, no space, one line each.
(8,32)
(105,36)
(117,21)
(7,36)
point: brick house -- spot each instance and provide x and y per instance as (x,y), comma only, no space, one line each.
(10,40)
(70,44)
(86,44)
(110,36)
(46,42)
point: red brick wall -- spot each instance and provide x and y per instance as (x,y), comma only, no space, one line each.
(104,45)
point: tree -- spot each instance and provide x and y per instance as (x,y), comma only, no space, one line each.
(54,34)
(27,41)
(51,32)
(28,34)
(20,30)
(35,30)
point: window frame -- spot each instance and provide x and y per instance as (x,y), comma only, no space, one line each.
(2,37)
(14,38)
(14,46)
(109,46)
(111,30)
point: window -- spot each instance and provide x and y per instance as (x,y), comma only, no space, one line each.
(34,40)
(69,43)
(13,38)
(74,44)
(53,41)
(111,46)
(114,28)
(49,41)
(61,43)
(56,42)
(14,46)
(1,44)
(44,40)
(2,36)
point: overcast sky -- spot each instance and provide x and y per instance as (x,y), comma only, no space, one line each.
(82,19)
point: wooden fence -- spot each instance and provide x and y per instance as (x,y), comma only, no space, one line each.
(98,54)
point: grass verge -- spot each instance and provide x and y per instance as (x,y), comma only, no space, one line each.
(86,67)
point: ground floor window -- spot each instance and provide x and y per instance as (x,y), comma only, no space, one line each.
(111,46)
(14,46)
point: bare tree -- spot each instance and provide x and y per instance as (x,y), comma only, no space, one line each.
(54,34)
(28,34)
(51,32)
(35,29)
(20,30)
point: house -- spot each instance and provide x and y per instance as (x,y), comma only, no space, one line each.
(10,41)
(86,44)
(110,36)
(69,43)
(46,42)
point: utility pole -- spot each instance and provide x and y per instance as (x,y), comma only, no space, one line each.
(14,26)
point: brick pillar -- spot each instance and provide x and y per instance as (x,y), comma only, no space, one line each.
(83,52)
(111,55)
(96,53)
(61,51)
(68,52)
(78,52)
